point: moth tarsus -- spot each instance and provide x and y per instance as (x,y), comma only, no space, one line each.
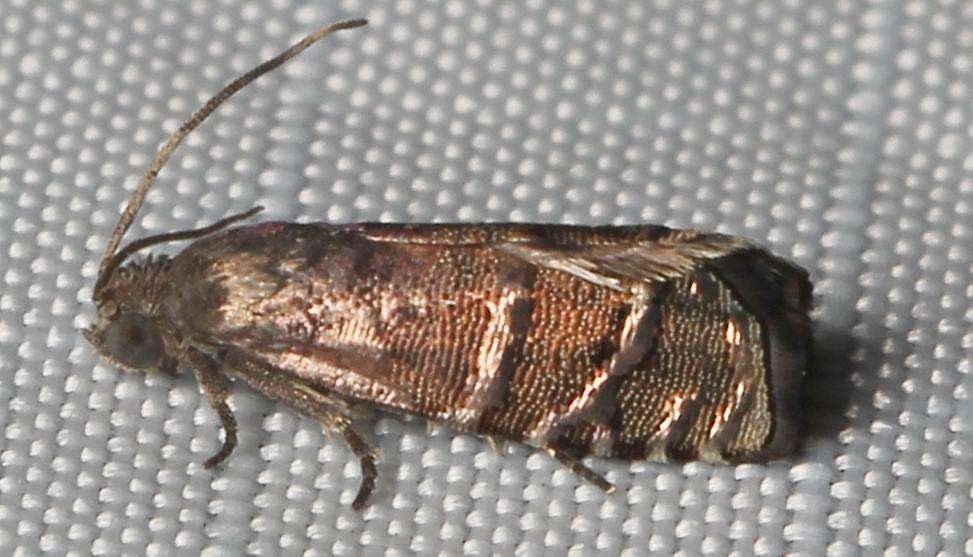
(633,342)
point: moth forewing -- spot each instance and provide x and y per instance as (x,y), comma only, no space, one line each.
(633,342)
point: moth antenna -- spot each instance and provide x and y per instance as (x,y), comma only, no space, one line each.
(108,262)
(148,241)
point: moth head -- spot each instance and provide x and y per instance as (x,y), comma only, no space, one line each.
(131,340)
(129,332)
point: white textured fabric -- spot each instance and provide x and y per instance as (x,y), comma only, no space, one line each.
(838,134)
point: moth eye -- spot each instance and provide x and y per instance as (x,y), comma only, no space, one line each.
(133,340)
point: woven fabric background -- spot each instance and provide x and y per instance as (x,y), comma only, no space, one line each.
(836,133)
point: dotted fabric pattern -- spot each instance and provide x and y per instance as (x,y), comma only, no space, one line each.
(836,133)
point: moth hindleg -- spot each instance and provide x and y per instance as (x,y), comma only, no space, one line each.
(581,470)
(334,414)
(217,390)
(498,445)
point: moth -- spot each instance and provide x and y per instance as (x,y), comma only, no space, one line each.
(631,342)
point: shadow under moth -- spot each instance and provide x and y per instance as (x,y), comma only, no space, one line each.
(631,342)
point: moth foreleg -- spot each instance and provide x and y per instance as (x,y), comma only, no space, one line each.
(334,414)
(581,470)
(215,386)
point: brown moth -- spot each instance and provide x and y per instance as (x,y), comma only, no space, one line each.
(633,342)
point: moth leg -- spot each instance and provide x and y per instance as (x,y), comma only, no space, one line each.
(581,470)
(217,390)
(496,444)
(332,413)
(366,459)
